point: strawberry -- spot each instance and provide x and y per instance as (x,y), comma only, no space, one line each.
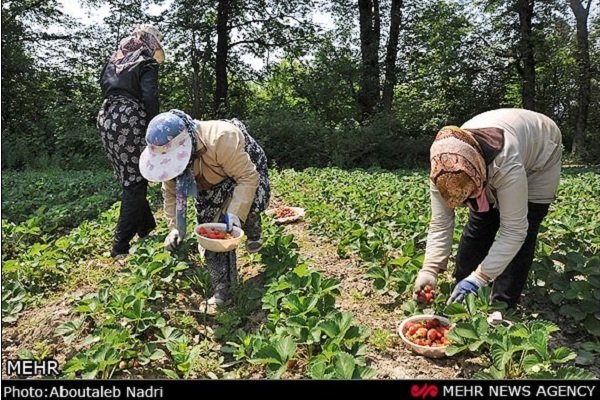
(432,334)
(413,329)
(421,332)
(430,324)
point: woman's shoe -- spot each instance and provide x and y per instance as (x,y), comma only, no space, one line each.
(253,246)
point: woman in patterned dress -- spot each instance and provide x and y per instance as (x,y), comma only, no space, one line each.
(129,83)
(219,164)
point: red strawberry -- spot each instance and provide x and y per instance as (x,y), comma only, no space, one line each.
(432,334)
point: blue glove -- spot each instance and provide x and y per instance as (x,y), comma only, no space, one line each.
(232,220)
(470,284)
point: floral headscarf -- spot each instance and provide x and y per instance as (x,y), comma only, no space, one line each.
(131,49)
(458,168)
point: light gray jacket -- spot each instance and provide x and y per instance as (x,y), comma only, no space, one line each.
(526,169)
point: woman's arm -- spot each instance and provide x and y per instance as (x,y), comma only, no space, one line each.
(441,232)
(512,197)
(149,88)
(169,202)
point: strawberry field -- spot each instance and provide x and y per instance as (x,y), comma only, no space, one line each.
(322,299)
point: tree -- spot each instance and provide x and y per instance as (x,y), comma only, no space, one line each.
(220,101)
(581,13)
(526,64)
(369,20)
(391,54)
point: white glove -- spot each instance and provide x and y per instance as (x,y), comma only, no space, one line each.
(426,276)
(173,239)
(232,220)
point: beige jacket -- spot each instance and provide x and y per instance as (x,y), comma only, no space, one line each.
(220,154)
(527,169)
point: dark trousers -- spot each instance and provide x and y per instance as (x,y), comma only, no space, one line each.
(478,236)
(135,216)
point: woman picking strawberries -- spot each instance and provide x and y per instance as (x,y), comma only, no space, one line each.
(505,166)
(219,164)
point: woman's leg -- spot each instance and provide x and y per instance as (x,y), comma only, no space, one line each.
(146,222)
(130,217)
(509,285)
(221,266)
(223,273)
(253,230)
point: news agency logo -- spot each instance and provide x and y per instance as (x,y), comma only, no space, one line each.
(31,367)
(422,392)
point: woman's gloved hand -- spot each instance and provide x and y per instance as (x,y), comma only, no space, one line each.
(173,240)
(470,284)
(232,220)
(426,276)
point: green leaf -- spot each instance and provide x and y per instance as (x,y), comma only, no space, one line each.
(267,355)
(158,355)
(302,270)
(493,373)
(344,365)
(70,330)
(592,324)
(286,348)
(400,261)
(563,355)
(573,373)
(585,357)
(532,363)
(473,346)
(539,341)
(169,373)
(570,310)
(501,356)
(454,349)
(317,370)
(466,330)
(456,311)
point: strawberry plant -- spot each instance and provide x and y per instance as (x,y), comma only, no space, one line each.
(518,350)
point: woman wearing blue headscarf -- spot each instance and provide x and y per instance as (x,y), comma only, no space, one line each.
(219,164)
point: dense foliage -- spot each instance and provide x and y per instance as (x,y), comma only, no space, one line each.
(301,83)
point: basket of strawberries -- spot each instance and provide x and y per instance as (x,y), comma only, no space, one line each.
(286,215)
(425,335)
(214,237)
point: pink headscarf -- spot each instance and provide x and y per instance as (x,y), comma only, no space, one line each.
(131,48)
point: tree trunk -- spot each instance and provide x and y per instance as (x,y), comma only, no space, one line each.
(195,86)
(199,88)
(583,62)
(221,87)
(391,55)
(526,48)
(368,95)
